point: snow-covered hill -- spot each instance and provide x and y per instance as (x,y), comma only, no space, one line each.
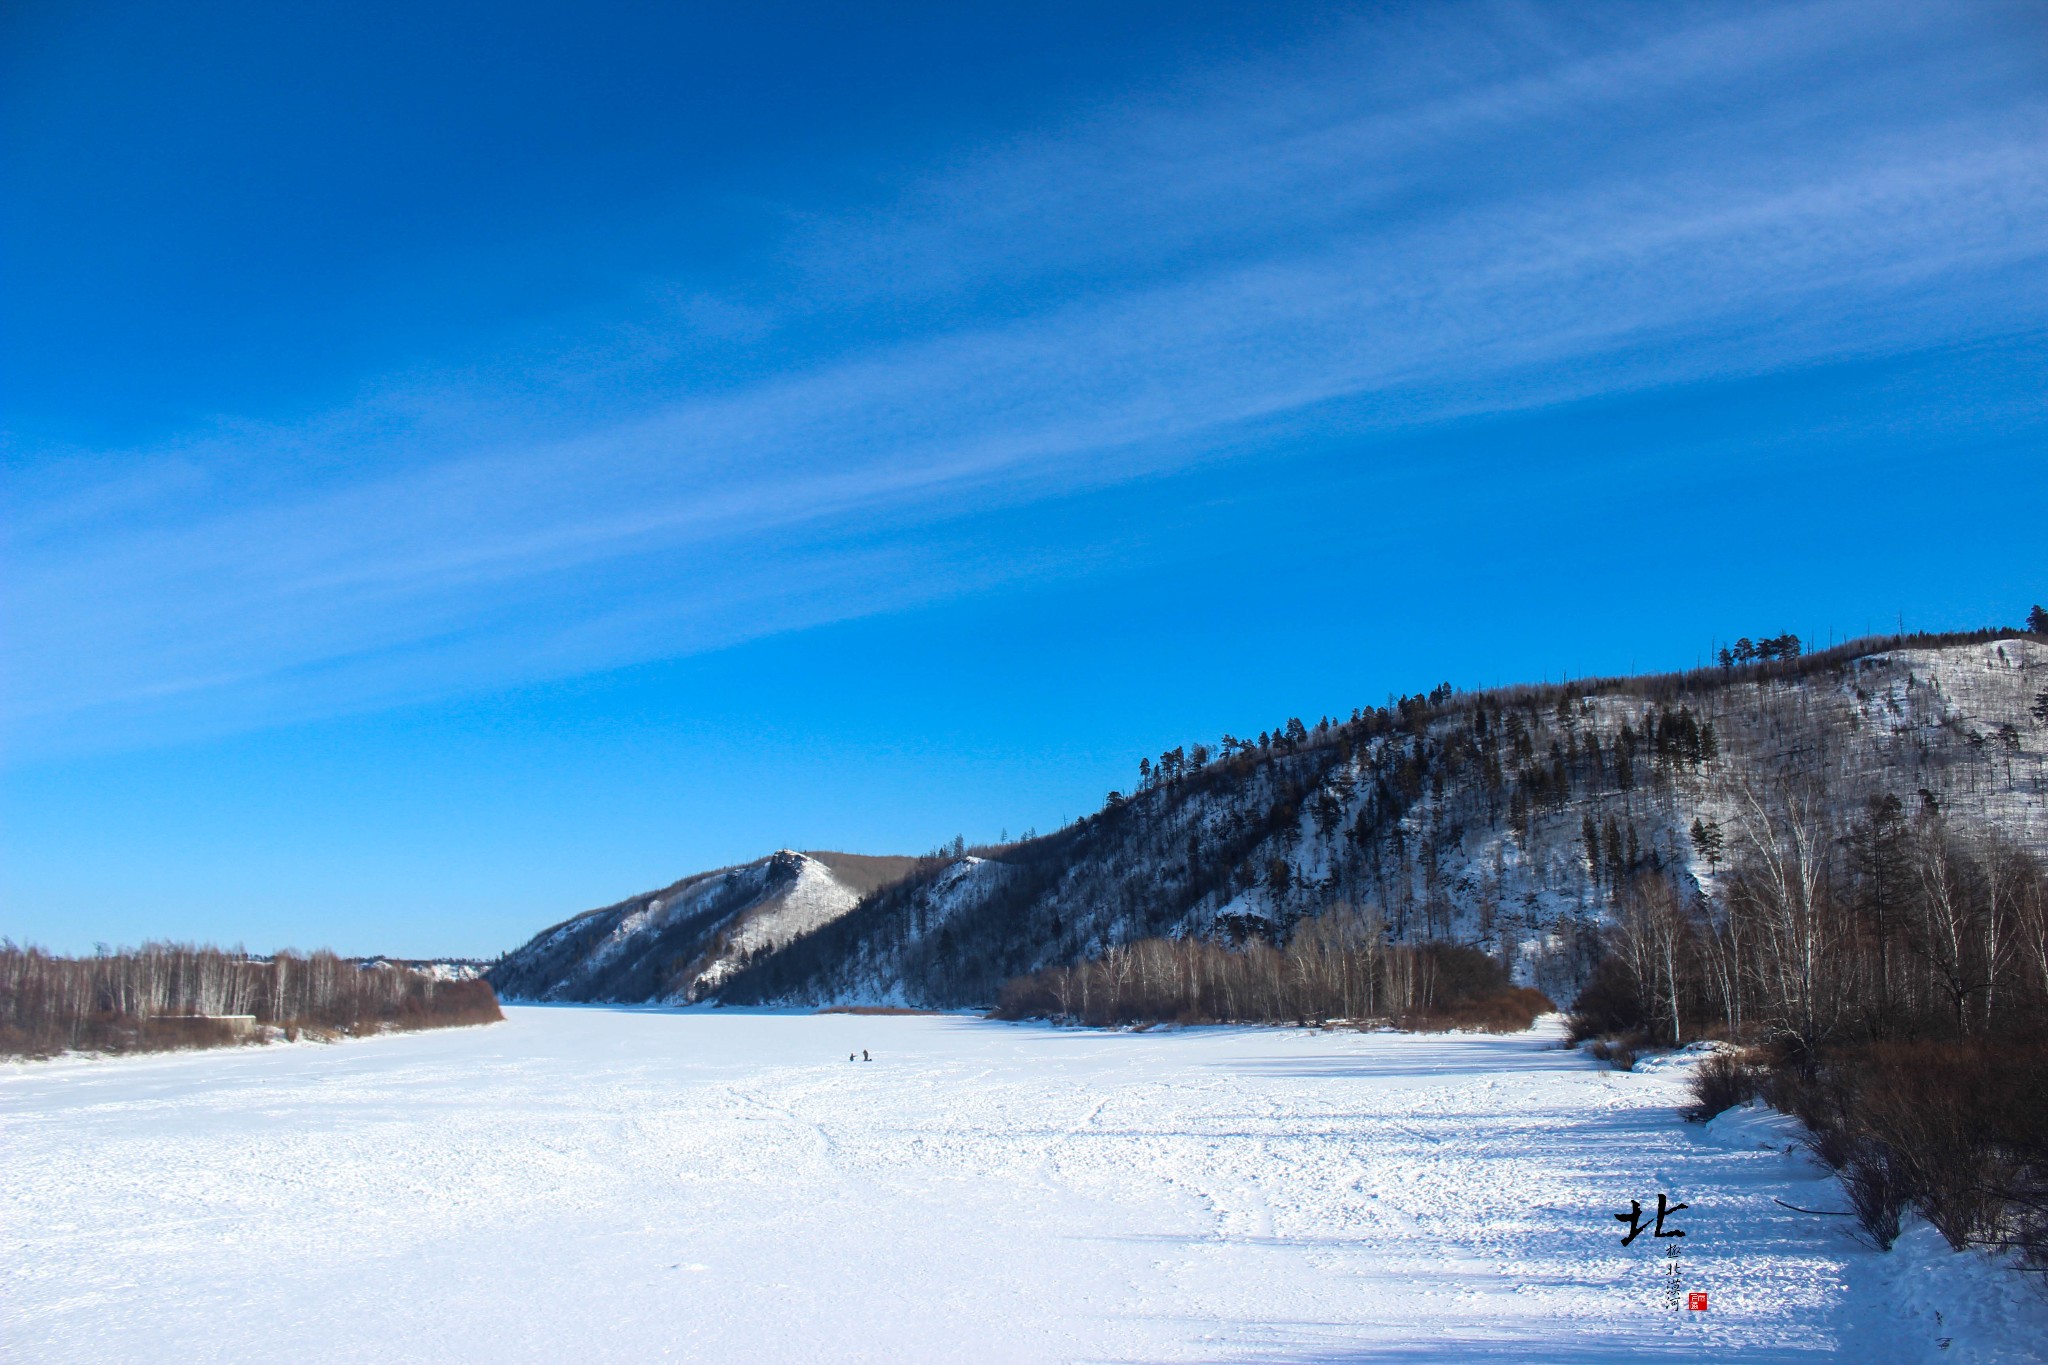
(681,942)
(1502,819)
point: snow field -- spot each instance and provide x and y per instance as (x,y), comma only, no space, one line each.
(595,1185)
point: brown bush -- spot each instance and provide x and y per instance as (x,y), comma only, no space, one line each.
(1721,1082)
(1621,1052)
(1880,1190)
(1968,1123)
(1958,1129)
(1512,1010)
(453,1004)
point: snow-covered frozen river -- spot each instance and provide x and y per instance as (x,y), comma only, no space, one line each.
(593,1185)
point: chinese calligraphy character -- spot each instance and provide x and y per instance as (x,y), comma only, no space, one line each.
(1634,1219)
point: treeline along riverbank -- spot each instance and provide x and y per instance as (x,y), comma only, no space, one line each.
(164,996)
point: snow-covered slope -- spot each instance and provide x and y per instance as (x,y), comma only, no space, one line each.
(440,969)
(680,942)
(1463,816)
(1503,819)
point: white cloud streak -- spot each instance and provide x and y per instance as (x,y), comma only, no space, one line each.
(1484,212)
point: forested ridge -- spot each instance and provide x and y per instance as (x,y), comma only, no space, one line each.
(1528,822)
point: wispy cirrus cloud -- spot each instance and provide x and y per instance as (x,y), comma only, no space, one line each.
(1482,210)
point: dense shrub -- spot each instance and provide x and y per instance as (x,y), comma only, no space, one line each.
(1621,1051)
(1509,1009)
(1967,1124)
(1721,1082)
(1609,1005)
(1880,1189)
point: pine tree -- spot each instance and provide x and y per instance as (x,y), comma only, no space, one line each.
(1707,838)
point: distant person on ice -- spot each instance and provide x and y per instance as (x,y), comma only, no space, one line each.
(864,1055)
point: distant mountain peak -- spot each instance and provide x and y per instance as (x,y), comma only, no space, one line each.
(677,944)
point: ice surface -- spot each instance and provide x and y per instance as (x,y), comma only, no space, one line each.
(592,1185)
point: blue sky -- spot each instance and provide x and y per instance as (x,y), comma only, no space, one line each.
(467,463)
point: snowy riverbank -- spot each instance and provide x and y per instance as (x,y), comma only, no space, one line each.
(617,1185)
